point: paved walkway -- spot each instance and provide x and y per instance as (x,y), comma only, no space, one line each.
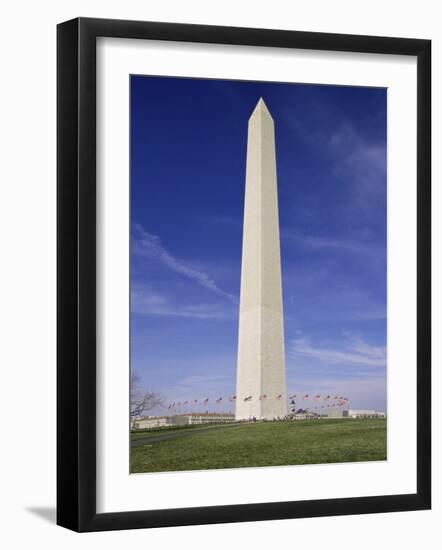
(174,435)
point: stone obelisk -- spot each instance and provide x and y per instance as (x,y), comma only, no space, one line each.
(260,383)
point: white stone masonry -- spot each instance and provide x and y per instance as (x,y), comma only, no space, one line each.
(261,385)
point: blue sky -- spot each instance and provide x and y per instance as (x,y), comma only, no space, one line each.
(188,152)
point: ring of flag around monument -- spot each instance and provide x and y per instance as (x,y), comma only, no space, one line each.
(336,401)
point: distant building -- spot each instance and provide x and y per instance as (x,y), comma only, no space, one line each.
(304,414)
(335,413)
(204,418)
(362,413)
(150,422)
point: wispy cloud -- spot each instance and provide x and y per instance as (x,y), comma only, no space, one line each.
(202,386)
(363,392)
(321,294)
(145,301)
(353,351)
(196,379)
(356,160)
(362,161)
(150,246)
(358,247)
(358,150)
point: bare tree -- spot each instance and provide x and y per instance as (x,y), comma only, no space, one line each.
(142,400)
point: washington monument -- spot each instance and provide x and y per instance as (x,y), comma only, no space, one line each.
(260,383)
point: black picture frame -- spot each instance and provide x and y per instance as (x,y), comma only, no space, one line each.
(76,274)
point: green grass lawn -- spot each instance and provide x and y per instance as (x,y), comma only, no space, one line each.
(266,444)
(155,432)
